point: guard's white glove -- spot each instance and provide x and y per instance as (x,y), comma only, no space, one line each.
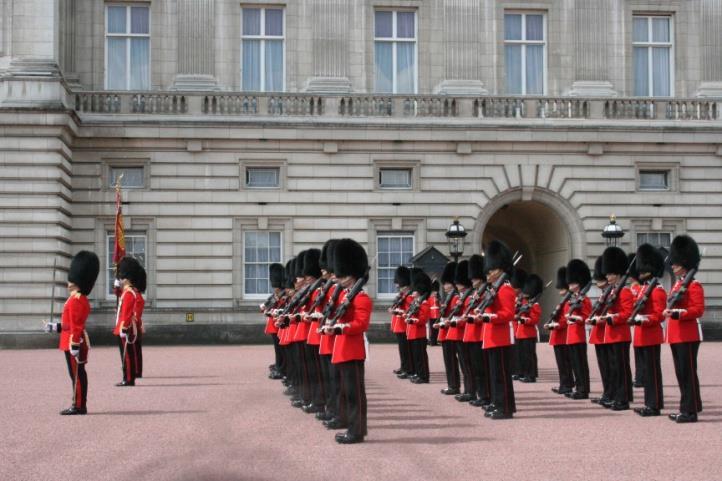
(75,351)
(117,284)
(123,335)
(641,318)
(52,327)
(487,317)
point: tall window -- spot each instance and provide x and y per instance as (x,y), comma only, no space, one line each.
(652,43)
(260,249)
(395,51)
(393,250)
(262,47)
(135,246)
(525,53)
(127,47)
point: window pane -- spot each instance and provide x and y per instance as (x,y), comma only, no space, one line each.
(384,67)
(139,20)
(405,25)
(641,79)
(384,24)
(512,56)
(274,65)
(407,245)
(535,27)
(395,258)
(274,22)
(534,69)
(275,239)
(385,286)
(640,29)
(263,255)
(139,63)
(660,72)
(117,76)
(132,176)
(395,178)
(262,241)
(251,21)
(262,177)
(383,244)
(116,20)
(405,78)
(660,30)
(653,180)
(512,27)
(383,257)
(395,246)
(252,65)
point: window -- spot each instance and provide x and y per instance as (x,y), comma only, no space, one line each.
(652,43)
(263,50)
(135,246)
(395,178)
(525,53)
(127,47)
(262,177)
(657,239)
(132,177)
(395,51)
(393,250)
(260,249)
(653,180)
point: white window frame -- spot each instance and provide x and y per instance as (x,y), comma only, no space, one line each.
(128,35)
(244,262)
(109,278)
(523,42)
(668,172)
(649,44)
(111,185)
(390,235)
(410,186)
(262,187)
(648,233)
(394,40)
(263,38)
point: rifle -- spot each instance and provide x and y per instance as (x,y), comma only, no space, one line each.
(642,301)
(398,300)
(291,307)
(265,303)
(557,310)
(328,308)
(457,308)
(321,296)
(475,299)
(599,304)
(675,297)
(414,307)
(524,308)
(352,293)
(271,310)
(491,292)
(612,298)
(576,303)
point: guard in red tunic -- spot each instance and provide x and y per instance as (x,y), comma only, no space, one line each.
(139,287)
(303,284)
(497,331)
(74,342)
(277,278)
(635,286)
(650,302)
(416,319)
(596,335)
(558,339)
(131,274)
(329,373)
(402,279)
(517,280)
(283,331)
(455,332)
(451,363)
(527,330)
(576,312)
(313,277)
(434,306)
(685,306)
(474,335)
(349,349)
(616,332)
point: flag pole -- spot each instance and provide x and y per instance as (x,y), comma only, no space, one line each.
(119,244)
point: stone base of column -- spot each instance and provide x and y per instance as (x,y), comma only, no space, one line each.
(709,89)
(461,87)
(195,82)
(592,88)
(328,85)
(32,67)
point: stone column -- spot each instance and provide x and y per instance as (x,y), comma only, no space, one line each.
(710,39)
(196,45)
(331,23)
(591,24)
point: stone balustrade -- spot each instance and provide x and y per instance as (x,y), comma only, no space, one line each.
(393,106)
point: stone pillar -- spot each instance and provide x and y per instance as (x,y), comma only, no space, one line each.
(591,24)
(196,45)
(331,23)
(710,38)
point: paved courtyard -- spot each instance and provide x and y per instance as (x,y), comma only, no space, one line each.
(210,413)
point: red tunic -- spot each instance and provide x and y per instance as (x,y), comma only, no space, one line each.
(303,326)
(139,307)
(444,330)
(314,337)
(651,333)
(75,313)
(687,328)
(618,330)
(528,330)
(417,330)
(126,311)
(473,331)
(327,340)
(558,335)
(398,325)
(350,345)
(576,331)
(455,333)
(497,333)
(271,327)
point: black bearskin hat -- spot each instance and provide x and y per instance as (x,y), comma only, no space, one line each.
(402,276)
(447,277)
(325,262)
(277,275)
(290,273)
(650,259)
(497,256)
(562,278)
(461,276)
(578,273)
(83,272)
(518,278)
(298,264)
(420,281)
(614,261)
(476,267)
(533,286)
(350,259)
(310,263)
(684,252)
(435,285)
(633,272)
(598,274)
(129,268)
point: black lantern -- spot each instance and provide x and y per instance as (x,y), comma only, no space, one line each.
(612,231)
(456,234)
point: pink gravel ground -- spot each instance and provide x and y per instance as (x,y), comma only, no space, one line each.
(210,413)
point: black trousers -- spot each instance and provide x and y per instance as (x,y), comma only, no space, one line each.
(433,333)
(352,400)
(480,370)
(528,365)
(139,355)
(620,373)
(278,351)
(304,380)
(331,384)
(315,379)
(462,352)
(451,365)
(564,366)
(80,385)
(580,366)
(420,358)
(652,369)
(502,387)
(685,367)
(515,359)
(639,376)
(404,353)
(602,352)
(127,364)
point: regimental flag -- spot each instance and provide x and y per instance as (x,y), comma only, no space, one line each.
(119,250)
